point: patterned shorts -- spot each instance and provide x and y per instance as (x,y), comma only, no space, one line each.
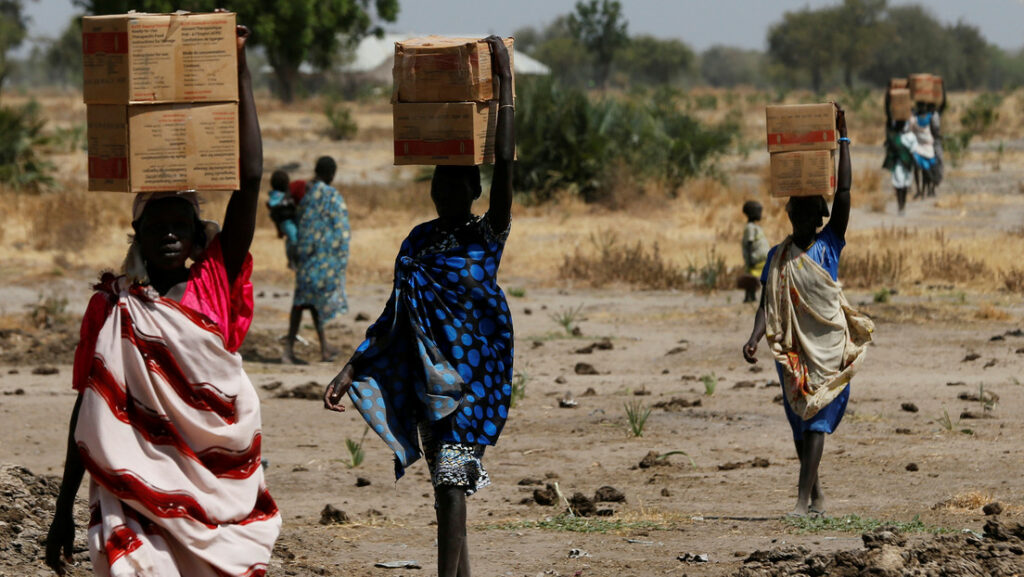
(453,464)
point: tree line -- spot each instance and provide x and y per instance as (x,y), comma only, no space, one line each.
(850,43)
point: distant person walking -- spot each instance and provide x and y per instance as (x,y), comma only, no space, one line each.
(755,250)
(926,171)
(899,159)
(284,213)
(816,338)
(322,257)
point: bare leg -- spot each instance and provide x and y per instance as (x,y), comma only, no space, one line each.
(901,199)
(288,357)
(809,450)
(452,545)
(327,354)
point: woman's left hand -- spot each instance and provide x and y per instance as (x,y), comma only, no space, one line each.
(337,389)
(840,121)
(499,54)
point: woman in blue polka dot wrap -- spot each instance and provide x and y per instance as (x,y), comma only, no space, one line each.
(433,376)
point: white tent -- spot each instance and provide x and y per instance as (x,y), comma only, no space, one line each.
(378,55)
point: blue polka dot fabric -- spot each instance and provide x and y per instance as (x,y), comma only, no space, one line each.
(441,352)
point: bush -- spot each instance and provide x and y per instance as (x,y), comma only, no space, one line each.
(20,164)
(566,141)
(339,118)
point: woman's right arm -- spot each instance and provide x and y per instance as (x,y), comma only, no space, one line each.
(61,537)
(750,349)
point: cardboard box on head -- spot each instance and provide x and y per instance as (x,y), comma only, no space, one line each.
(900,104)
(898,83)
(158,147)
(922,88)
(803,173)
(159,58)
(440,69)
(457,133)
(793,127)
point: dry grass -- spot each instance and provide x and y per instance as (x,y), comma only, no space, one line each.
(990,313)
(87,230)
(610,261)
(967,501)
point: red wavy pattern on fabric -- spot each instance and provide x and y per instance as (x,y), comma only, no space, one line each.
(159,430)
(122,541)
(159,360)
(126,486)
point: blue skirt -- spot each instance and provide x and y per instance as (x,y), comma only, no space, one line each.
(825,421)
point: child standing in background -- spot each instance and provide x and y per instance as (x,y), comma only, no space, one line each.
(755,250)
(283,212)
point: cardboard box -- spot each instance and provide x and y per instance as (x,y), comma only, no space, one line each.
(900,104)
(458,133)
(439,69)
(158,147)
(898,82)
(922,88)
(795,127)
(159,58)
(803,173)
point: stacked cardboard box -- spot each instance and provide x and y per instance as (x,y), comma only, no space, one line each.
(162,96)
(444,104)
(900,104)
(802,143)
(926,88)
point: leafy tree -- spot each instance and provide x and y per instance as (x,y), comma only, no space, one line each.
(729,66)
(969,56)
(600,27)
(290,32)
(803,42)
(650,60)
(913,42)
(856,30)
(63,57)
(13,28)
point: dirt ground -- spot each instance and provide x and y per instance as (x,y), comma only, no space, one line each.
(730,471)
(662,344)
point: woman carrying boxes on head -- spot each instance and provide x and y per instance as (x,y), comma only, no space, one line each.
(817,340)
(900,141)
(433,376)
(166,422)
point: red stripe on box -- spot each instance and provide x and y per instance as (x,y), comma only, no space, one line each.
(105,43)
(108,168)
(801,137)
(433,148)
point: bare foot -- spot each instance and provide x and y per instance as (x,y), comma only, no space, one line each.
(288,358)
(799,511)
(328,355)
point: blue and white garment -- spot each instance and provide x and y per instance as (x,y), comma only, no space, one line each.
(441,352)
(825,251)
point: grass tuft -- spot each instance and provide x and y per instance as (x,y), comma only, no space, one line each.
(857,524)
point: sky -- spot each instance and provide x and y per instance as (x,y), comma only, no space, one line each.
(700,23)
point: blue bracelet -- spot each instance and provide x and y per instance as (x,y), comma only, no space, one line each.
(844,139)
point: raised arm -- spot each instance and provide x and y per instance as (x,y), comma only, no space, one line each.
(841,204)
(240,216)
(500,211)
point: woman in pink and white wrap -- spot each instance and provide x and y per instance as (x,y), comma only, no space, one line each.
(167,423)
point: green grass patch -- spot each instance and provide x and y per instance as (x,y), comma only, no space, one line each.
(858,524)
(567,524)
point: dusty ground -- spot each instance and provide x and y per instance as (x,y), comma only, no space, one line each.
(663,344)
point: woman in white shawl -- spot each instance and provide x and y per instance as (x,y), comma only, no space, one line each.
(817,340)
